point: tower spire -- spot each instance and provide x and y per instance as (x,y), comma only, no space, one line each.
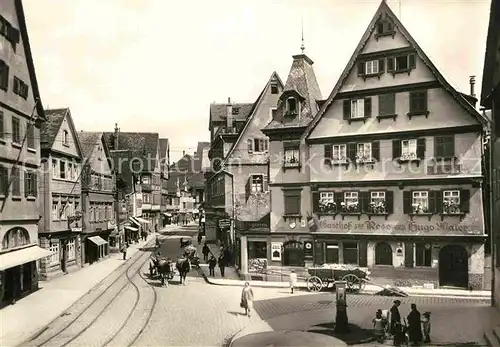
(302,46)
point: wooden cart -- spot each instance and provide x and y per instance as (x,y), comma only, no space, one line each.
(324,277)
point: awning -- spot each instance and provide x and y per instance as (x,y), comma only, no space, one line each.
(142,220)
(99,241)
(130,228)
(135,221)
(22,256)
(167,214)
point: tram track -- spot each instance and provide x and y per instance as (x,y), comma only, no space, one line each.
(79,325)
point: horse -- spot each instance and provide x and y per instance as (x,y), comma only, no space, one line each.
(184,243)
(164,269)
(183,265)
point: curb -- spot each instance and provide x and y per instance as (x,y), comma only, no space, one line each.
(450,296)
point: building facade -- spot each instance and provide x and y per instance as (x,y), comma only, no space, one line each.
(98,197)
(60,192)
(237,190)
(21,116)
(490,100)
(164,164)
(393,161)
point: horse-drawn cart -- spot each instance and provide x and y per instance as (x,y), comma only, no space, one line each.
(323,277)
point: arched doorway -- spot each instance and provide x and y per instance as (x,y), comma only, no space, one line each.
(293,253)
(453,266)
(383,254)
(16,237)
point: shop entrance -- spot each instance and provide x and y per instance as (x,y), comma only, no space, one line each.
(383,254)
(293,253)
(453,266)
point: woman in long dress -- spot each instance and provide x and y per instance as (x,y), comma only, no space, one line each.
(247,298)
(414,325)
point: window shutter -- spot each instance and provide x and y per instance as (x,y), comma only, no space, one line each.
(408,254)
(407,202)
(389,201)
(315,202)
(339,198)
(362,253)
(396,149)
(390,64)
(382,105)
(265,183)
(347,109)
(449,146)
(250,145)
(439,201)
(376,150)
(432,201)
(368,107)
(423,100)
(381,65)
(248,188)
(351,151)
(266,145)
(438,147)
(412,63)
(4,82)
(364,198)
(26,183)
(4,179)
(421,148)
(361,68)
(413,102)
(328,149)
(13,35)
(389,26)
(390,103)
(464,200)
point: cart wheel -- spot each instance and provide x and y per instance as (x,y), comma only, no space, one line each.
(314,284)
(353,283)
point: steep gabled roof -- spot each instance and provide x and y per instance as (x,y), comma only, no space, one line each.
(490,57)
(253,111)
(301,80)
(50,128)
(89,140)
(218,112)
(164,155)
(198,160)
(143,145)
(29,57)
(384,8)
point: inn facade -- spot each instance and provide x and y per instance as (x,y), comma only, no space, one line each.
(21,117)
(237,188)
(393,167)
(60,189)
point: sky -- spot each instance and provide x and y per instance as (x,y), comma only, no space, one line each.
(156,65)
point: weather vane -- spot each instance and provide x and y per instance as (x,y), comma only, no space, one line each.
(302,46)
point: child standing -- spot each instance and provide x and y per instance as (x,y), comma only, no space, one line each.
(293,281)
(426,327)
(378,326)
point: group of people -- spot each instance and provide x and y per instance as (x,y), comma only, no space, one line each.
(224,259)
(417,331)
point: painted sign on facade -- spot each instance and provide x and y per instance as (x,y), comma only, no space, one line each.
(415,226)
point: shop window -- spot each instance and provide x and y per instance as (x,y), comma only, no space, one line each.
(71,250)
(15,237)
(54,258)
(423,254)
(350,253)
(332,253)
(257,249)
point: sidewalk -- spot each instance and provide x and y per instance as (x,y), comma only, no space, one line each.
(369,289)
(29,315)
(230,272)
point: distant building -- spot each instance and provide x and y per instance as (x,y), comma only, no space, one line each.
(60,189)
(21,116)
(164,164)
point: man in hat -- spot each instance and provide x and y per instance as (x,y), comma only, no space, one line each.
(395,317)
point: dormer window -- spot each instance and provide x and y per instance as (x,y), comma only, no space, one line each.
(274,88)
(385,28)
(236,110)
(65,138)
(291,106)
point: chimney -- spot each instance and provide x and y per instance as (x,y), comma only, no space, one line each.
(472,82)
(183,153)
(117,131)
(229,111)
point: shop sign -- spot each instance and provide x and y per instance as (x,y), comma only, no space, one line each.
(408,227)
(276,248)
(224,223)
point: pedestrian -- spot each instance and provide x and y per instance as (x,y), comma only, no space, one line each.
(247,299)
(414,326)
(222,265)
(378,326)
(395,317)
(293,281)
(211,266)
(205,251)
(124,250)
(200,237)
(426,324)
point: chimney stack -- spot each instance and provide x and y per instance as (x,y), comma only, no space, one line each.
(472,82)
(117,131)
(183,153)
(229,115)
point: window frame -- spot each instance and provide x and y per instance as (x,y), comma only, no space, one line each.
(71,249)
(55,257)
(294,194)
(289,101)
(374,205)
(356,106)
(65,138)
(356,205)
(414,208)
(339,159)
(256,185)
(372,64)
(363,158)
(345,247)
(423,250)
(16,130)
(409,155)
(453,208)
